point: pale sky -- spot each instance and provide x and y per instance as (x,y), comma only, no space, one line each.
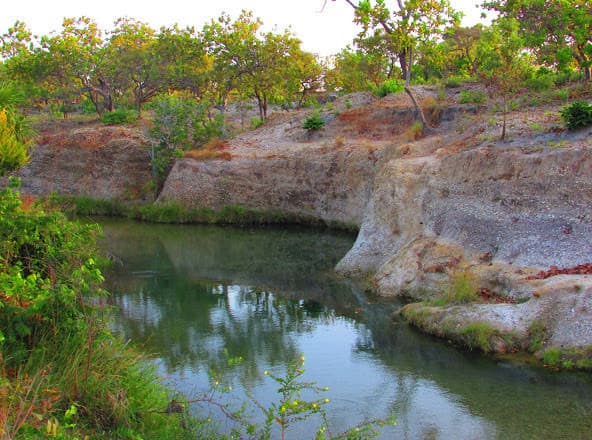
(325,32)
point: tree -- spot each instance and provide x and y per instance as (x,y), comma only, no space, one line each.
(505,65)
(353,71)
(463,42)
(559,31)
(404,25)
(134,62)
(259,65)
(75,59)
(186,63)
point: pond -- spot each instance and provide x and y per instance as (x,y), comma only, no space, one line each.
(231,303)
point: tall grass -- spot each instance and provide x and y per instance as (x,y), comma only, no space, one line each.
(174,212)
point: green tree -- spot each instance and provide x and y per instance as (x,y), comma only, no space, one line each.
(134,61)
(405,23)
(462,43)
(259,65)
(75,59)
(505,65)
(186,63)
(559,31)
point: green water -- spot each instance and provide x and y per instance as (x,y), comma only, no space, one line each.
(194,296)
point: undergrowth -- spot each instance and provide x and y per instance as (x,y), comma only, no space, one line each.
(62,374)
(174,212)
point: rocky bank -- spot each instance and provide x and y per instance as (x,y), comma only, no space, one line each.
(452,207)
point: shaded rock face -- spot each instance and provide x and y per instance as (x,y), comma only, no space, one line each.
(333,186)
(99,162)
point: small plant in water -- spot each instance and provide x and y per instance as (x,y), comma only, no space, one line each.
(292,407)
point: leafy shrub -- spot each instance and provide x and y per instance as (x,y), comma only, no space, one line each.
(256,123)
(562,94)
(552,357)
(541,83)
(119,117)
(47,273)
(14,153)
(452,83)
(577,115)
(87,107)
(567,76)
(313,123)
(389,86)
(180,123)
(471,97)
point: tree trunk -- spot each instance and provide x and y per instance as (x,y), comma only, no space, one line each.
(422,117)
(405,68)
(587,73)
(503,138)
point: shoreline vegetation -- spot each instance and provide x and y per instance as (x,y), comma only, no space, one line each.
(176,213)
(65,375)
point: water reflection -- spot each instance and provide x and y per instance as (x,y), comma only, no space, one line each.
(195,296)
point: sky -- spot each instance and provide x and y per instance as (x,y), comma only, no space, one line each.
(324,32)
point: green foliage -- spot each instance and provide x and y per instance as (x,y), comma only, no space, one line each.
(119,117)
(62,374)
(14,153)
(472,97)
(15,134)
(552,357)
(313,123)
(576,115)
(541,82)
(292,407)
(557,31)
(256,123)
(180,123)
(462,288)
(389,86)
(452,83)
(477,335)
(537,333)
(47,270)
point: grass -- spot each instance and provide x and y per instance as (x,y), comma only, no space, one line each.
(472,97)
(174,212)
(475,335)
(579,358)
(88,386)
(463,288)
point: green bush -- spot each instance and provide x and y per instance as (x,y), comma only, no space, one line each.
(471,97)
(313,123)
(256,123)
(576,115)
(541,83)
(452,83)
(389,86)
(47,273)
(119,117)
(552,357)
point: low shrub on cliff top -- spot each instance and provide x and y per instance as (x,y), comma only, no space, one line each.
(313,123)
(119,117)
(576,115)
